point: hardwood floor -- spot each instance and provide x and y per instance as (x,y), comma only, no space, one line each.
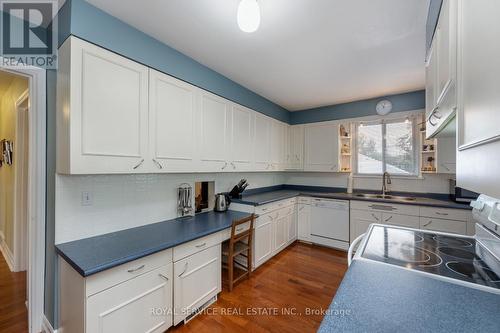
(13,312)
(302,280)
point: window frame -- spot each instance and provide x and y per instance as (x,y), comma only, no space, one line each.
(415,142)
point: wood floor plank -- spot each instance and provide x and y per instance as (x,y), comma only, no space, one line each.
(13,312)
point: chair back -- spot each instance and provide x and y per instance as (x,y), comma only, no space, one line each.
(240,233)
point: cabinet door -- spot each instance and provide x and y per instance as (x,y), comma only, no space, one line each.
(197,279)
(295,156)
(431,86)
(456,227)
(321,148)
(172,115)
(214,135)
(445,51)
(401,220)
(277,143)
(112,310)
(292,228)
(360,220)
(241,139)
(303,222)
(281,233)
(263,239)
(105,123)
(446,159)
(262,144)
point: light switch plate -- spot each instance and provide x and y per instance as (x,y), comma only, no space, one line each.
(86,198)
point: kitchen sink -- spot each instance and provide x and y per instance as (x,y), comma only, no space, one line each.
(386,196)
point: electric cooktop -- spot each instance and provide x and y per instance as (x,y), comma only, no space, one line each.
(445,255)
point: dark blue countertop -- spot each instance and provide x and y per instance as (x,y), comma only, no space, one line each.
(276,193)
(95,254)
(375,297)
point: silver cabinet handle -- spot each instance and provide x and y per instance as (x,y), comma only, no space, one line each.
(425,225)
(185,269)
(270,217)
(388,219)
(138,164)
(234,166)
(301,208)
(201,245)
(268,165)
(442,214)
(333,167)
(375,217)
(433,114)
(224,166)
(132,270)
(444,166)
(157,164)
(163,277)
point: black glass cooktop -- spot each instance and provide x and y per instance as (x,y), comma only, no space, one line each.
(450,256)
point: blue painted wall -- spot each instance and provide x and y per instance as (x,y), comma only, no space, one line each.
(432,18)
(94,25)
(401,102)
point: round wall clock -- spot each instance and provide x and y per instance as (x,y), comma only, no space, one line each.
(384,107)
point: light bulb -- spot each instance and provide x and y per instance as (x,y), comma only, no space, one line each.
(248,15)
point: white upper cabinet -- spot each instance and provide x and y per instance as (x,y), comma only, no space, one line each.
(295,148)
(172,114)
(262,142)
(214,139)
(446,158)
(278,146)
(242,140)
(321,147)
(441,71)
(102,111)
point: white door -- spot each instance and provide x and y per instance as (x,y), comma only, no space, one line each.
(172,115)
(197,279)
(241,139)
(278,139)
(360,220)
(214,138)
(456,227)
(263,239)
(295,147)
(401,220)
(321,148)
(303,222)
(281,233)
(262,139)
(107,111)
(127,307)
(292,228)
(446,159)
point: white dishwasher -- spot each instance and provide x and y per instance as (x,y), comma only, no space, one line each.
(330,222)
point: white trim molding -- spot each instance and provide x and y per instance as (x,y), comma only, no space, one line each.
(7,254)
(46,326)
(36,190)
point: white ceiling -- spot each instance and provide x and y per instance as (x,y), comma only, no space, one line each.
(305,54)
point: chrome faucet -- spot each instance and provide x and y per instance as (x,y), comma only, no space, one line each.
(386,179)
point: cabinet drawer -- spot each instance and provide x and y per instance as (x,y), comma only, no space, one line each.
(304,200)
(197,245)
(386,207)
(372,217)
(274,206)
(445,213)
(112,310)
(457,227)
(116,275)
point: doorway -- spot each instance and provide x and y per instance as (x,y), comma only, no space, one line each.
(22,196)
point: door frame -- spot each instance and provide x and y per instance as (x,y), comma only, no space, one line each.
(20,190)
(37,119)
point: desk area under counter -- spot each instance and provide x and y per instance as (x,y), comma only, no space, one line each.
(161,267)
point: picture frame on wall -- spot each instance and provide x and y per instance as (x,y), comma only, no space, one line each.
(7,148)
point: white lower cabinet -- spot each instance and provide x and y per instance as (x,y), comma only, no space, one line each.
(197,280)
(263,240)
(451,226)
(304,222)
(401,220)
(360,220)
(292,228)
(147,299)
(281,233)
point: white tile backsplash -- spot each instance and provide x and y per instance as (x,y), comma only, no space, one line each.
(126,201)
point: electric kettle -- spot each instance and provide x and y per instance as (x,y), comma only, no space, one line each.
(222,202)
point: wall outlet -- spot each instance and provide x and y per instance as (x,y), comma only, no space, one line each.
(86,198)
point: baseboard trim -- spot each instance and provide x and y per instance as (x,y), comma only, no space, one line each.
(9,258)
(46,326)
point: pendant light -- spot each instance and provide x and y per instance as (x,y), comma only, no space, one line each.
(248,15)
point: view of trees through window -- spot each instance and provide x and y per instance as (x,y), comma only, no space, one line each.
(395,153)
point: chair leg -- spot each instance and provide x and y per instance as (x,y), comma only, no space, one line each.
(249,262)
(230,273)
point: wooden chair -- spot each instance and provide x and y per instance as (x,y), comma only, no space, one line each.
(240,244)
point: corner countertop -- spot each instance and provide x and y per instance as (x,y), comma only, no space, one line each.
(375,297)
(95,254)
(286,192)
